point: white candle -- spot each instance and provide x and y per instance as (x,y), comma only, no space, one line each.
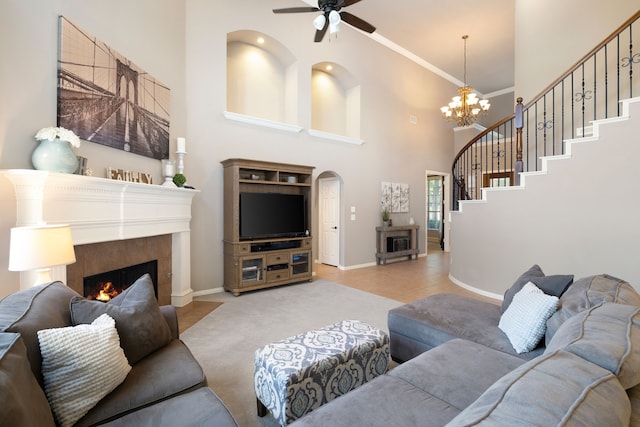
(182,145)
(168,169)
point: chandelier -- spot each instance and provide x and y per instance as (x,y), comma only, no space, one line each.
(465,108)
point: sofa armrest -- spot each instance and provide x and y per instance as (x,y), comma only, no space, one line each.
(171,316)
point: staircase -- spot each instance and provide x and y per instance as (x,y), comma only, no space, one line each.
(580,214)
(573,210)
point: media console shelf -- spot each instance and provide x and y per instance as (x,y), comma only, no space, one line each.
(251,264)
(395,242)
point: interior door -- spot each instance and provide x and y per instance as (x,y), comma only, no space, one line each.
(329,207)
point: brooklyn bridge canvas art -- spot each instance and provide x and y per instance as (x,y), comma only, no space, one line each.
(105,98)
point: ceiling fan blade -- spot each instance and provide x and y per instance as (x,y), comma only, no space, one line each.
(357,22)
(350,2)
(296,10)
(320,33)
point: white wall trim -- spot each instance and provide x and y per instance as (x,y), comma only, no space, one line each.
(335,137)
(243,118)
(475,290)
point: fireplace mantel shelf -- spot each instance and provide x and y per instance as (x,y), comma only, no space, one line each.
(101,210)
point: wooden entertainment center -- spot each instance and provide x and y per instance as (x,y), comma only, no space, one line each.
(256,263)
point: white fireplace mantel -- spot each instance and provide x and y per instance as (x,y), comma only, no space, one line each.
(102,210)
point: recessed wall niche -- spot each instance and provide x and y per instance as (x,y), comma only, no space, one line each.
(262,77)
(335,98)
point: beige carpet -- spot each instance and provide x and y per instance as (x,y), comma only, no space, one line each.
(225,340)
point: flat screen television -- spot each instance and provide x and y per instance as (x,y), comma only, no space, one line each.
(271,215)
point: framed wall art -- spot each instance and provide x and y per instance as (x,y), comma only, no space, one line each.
(107,99)
(394,197)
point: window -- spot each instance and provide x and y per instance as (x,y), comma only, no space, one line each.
(434,205)
(497,179)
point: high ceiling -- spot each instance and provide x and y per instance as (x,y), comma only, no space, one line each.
(433,29)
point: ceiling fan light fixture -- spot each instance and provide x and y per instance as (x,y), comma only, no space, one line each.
(319,22)
(334,18)
(330,12)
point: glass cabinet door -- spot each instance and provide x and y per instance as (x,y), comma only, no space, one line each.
(300,263)
(252,271)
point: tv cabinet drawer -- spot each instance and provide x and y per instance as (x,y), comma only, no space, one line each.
(276,275)
(279,258)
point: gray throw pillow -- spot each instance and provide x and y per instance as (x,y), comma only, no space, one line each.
(23,402)
(554,285)
(139,321)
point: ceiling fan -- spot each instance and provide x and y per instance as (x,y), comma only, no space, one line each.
(331,17)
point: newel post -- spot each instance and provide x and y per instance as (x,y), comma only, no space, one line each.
(518,122)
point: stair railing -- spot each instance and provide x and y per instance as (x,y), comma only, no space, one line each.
(588,91)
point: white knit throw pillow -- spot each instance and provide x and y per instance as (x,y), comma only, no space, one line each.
(525,320)
(80,365)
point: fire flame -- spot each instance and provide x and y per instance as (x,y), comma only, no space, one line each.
(107,292)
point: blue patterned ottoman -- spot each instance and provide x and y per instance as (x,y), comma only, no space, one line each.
(298,374)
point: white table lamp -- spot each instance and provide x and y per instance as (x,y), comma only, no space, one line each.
(39,248)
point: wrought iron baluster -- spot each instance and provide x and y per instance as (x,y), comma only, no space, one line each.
(606,80)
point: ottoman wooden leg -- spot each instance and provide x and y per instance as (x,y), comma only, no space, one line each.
(262,410)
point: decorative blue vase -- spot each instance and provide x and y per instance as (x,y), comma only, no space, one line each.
(54,156)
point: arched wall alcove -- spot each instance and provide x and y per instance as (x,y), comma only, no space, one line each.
(262,77)
(335,99)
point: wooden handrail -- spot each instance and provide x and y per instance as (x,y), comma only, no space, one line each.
(575,66)
(540,97)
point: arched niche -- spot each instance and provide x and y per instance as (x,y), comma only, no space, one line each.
(335,101)
(262,79)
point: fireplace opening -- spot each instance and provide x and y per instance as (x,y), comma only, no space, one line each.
(108,285)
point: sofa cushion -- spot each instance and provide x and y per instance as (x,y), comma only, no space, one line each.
(167,372)
(23,402)
(607,335)
(80,365)
(140,323)
(385,401)
(588,292)
(558,388)
(201,407)
(424,324)
(444,371)
(28,311)
(554,285)
(525,320)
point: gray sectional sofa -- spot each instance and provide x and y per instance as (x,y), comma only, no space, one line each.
(163,383)
(459,369)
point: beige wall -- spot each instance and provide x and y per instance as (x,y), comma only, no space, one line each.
(392,89)
(149,32)
(183,44)
(553,35)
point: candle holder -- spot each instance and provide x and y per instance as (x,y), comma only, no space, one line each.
(180,155)
(168,171)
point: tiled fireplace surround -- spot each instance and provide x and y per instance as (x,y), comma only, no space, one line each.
(114,224)
(98,258)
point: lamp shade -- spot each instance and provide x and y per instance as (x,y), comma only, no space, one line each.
(41,246)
